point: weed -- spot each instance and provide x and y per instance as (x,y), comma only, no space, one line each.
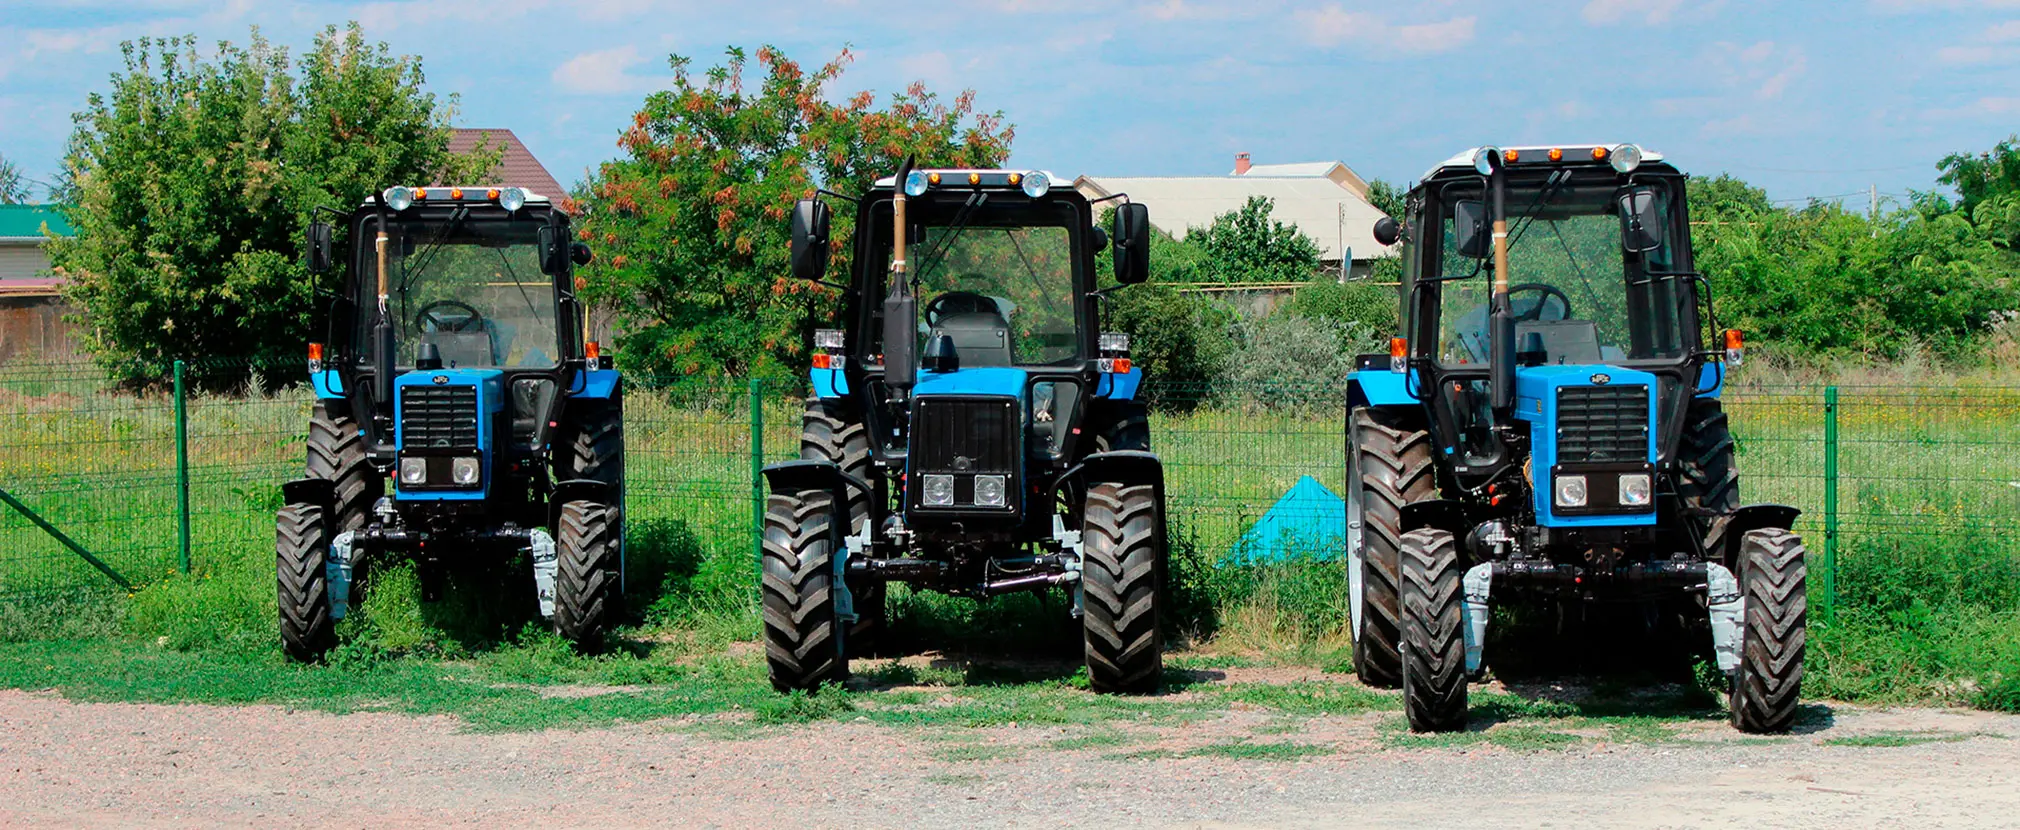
(1897,739)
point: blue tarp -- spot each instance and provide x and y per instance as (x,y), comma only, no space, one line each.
(1308,523)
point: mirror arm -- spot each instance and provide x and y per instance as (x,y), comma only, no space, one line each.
(1110,198)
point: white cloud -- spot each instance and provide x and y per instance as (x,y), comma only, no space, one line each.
(1993,44)
(1986,107)
(1335,26)
(1607,12)
(605,72)
(1902,6)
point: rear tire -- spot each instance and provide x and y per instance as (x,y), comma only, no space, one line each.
(302,551)
(803,637)
(827,433)
(1391,466)
(585,579)
(1122,557)
(336,453)
(1767,689)
(1434,645)
(1127,428)
(1706,483)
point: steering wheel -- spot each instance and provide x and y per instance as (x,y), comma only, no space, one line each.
(1549,292)
(959,302)
(428,320)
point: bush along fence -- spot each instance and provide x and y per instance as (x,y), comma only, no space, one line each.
(103,487)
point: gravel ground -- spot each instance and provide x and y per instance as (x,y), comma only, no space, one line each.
(128,765)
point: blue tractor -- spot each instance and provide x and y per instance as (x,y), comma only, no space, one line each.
(971,430)
(1548,433)
(461,418)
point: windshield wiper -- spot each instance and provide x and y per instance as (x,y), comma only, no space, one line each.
(434,248)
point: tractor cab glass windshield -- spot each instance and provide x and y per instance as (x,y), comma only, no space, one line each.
(998,280)
(473,288)
(1578,296)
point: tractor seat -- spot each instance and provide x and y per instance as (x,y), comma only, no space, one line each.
(981,338)
(462,348)
(1564,341)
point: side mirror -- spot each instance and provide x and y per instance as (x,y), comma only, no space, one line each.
(580,254)
(1132,243)
(319,247)
(1469,228)
(810,239)
(1387,231)
(553,254)
(1640,222)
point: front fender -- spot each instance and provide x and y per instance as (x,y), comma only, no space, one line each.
(1125,466)
(1756,517)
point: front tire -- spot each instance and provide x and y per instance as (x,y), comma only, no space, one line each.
(803,636)
(302,550)
(1390,466)
(585,579)
(1773,577)
(1122,547)
(1434,645)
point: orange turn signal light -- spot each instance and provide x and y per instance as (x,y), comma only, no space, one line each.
(1511,156)
(315,351)
(1398,347)
(1016,178)
(933,178)
(592,350)
(974,178)
(1734,340)
(420,193)
(456,193)
(1556,154)
(1121,365)
(1599,154)
(822,360)
(491,194)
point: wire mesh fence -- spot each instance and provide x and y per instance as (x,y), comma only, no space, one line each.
(1252,474)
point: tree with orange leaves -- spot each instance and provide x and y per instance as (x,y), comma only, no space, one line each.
(690,221)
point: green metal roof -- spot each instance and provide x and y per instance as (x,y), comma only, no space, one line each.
(24,222)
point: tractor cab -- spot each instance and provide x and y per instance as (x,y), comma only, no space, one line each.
(1548,429)
(970,424)
(460,414)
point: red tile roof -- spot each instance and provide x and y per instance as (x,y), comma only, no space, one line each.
(518,167)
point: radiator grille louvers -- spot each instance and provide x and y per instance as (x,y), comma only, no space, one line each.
(438,417)
(965,435)
(1602,424)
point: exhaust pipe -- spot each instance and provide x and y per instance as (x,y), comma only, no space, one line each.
(1501,320)
(901,307)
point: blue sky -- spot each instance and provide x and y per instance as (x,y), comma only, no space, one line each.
(1816,98)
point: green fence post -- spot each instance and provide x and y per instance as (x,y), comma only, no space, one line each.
(757,464)
(182,462)
(1830,569)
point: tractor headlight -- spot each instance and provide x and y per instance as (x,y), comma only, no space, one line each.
(399,197)
(939,490)
(1570,491)
(989,491)
(915,183)
(413,471)
(1485,159)
(1634,489)
(464,470)
(512,198)
(1037,184)
(1625,158)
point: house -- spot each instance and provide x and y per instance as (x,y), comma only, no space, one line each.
(31,309)
(1338,172)
(516,167)
(1335,215)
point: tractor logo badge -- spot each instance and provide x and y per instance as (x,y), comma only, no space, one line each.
(1601,379)
(441,379)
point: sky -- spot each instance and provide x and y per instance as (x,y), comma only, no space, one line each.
(1805,99)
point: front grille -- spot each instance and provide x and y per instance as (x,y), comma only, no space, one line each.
(1602,424)
(964,435)
(438,417)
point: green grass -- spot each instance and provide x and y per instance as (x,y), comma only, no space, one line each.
(1926,579)
(1896,739)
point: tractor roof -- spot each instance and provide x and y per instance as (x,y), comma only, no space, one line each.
(444,194)
(957,176)
(1573,154)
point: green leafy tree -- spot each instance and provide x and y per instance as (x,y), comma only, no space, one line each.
(1387,198)
(13,190)
(1982,176)
(691,221)
(1248,245)
(194,178)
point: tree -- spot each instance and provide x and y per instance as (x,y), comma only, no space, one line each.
(690,222)
(193,180)
(13,190)
(1982,176)
(1248,245)
(1387,198)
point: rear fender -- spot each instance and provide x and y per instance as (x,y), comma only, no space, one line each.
(1756,517)
(1124,466)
